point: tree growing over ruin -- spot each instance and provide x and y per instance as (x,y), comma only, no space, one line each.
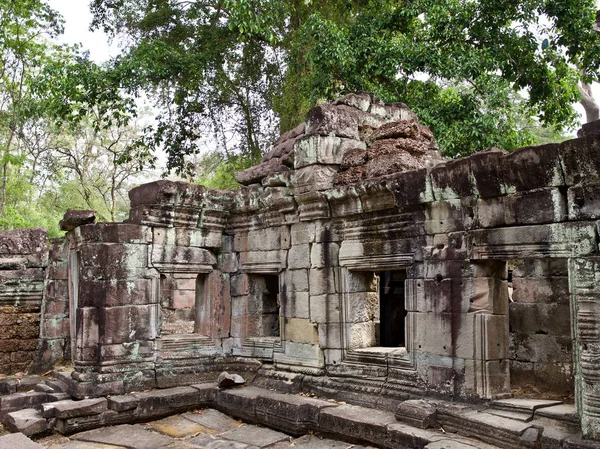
(233,68)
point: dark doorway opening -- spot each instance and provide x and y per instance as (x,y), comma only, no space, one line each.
(392,308)
(270,306)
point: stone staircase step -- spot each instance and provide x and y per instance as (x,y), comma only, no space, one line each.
(525,405)
(18,401)
(492,429)
(12,385)
(71,409)
(512,414)
(57,385)
(561,412)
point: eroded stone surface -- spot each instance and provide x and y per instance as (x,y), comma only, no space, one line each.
(74,218)
(27,421)
(213,419)
(337,133)
(179,426)
(257,436)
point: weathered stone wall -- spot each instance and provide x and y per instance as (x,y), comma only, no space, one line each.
(23,259)
(541,346)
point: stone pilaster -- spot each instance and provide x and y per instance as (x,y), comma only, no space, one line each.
(584,282)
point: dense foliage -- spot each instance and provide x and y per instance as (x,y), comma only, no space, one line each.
(62,118)
(479,73)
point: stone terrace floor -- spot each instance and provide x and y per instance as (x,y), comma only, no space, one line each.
(206,428)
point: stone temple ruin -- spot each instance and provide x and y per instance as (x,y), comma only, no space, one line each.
(355,263)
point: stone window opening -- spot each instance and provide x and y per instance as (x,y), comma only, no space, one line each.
(379,301)
(390,328)
(264,305)
(199,302)
(182,300)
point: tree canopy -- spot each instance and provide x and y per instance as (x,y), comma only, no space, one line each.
(60,115)
(479,73)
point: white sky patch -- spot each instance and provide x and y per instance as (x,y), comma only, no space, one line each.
(78,17)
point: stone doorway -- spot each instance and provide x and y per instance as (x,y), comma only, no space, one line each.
(391,331)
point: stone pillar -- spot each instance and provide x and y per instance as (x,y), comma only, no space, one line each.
(584,283)
(488,374)
(55,330)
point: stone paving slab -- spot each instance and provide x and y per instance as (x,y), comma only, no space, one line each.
(18,441)
(258,436)
(213,419)
(563,412)
(131,437)
(179,445)
(217,442)
(317,442)
(179,426)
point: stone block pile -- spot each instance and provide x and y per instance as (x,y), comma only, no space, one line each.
(358,135)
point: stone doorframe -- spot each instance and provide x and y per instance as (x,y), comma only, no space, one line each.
(263,347)
(577,242)
(184,263)
(73,288)
(400,358)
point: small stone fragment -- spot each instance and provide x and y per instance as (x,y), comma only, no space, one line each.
(400,128)
(74,218)
(227,380)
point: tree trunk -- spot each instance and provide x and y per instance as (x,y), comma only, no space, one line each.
(5,167)
(4,180)
(592,110)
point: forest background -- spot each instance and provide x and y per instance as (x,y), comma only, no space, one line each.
(200,88)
